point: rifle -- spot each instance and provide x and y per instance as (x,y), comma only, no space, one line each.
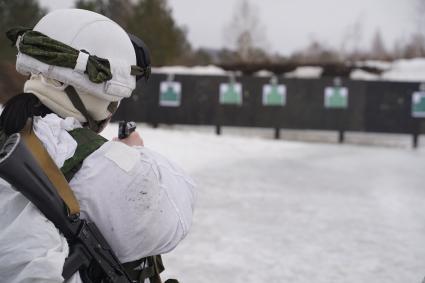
(88,248)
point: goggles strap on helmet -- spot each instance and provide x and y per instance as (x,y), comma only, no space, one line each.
(143,68)
(79,105)
(56,53)
(113,106)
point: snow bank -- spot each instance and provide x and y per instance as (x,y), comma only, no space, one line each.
(197,70)
(381,65)
(263,73)
(362,75)
(305,73)
(412,70)
(406,70)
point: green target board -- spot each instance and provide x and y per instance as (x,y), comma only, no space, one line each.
(170,94)
(231,93)
(418,104)
(336,97)
(274,95)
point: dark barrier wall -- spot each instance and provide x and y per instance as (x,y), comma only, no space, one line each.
(372,106)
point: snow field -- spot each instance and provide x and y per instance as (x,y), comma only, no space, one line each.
(277,211)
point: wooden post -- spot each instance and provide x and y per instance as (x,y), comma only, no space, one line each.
(217,129)
(276,133)
(341,136)
(415,140)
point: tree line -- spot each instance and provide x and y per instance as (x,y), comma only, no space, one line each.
(152,20)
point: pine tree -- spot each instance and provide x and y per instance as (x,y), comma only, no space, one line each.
(117,10)
(245,33)
(16,13)
(153,22)
(378,51)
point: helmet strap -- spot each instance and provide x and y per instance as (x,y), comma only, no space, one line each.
(113,106)
(79,105)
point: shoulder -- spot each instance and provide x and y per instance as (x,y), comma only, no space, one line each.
(140,201)
(118,157)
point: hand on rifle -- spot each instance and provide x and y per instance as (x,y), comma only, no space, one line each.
(133,139)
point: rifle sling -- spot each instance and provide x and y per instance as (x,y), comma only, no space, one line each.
(50,169)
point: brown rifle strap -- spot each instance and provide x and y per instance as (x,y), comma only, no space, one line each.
(50,169)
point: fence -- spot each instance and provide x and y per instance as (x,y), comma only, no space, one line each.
(365,106)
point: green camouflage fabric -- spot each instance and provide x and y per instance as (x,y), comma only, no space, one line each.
(138,71)
(87,143)
(56,53)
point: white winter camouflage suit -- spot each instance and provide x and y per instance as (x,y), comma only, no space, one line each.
(141,202)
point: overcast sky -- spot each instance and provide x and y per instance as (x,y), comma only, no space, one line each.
(292,24)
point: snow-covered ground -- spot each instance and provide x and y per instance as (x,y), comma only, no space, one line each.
(277,211)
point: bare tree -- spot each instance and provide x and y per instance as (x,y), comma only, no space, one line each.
(378,50)
(316,53)
(353,35)
(398,49)
(245,32)
(415,47)
(420,16)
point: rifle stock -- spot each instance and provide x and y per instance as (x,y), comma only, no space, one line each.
(21,170)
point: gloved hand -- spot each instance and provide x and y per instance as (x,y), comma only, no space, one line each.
(133,139)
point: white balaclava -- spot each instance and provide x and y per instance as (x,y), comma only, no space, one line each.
(52,94)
